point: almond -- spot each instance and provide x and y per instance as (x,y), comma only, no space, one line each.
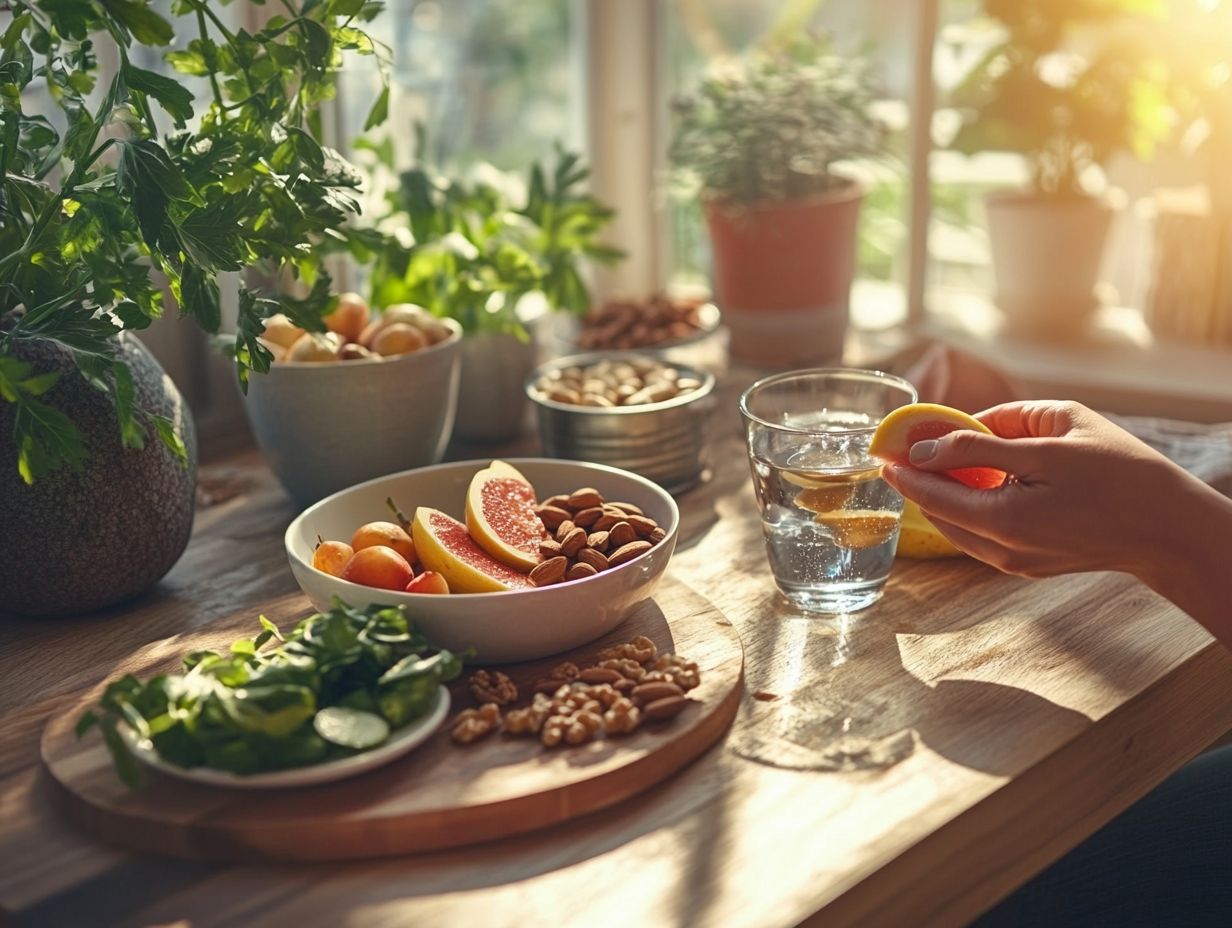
(563,530)
(642,525)
(598,540)
(549,549)
(662,709)
(623,554)
(600,675)
(584,498)
(652,692)
(551,516)
(585,518)
(627,508)
(621,534)
(549,571)
(656,536)
(580,571)
(596,559)
(560,501)
(606,521)
(574,542)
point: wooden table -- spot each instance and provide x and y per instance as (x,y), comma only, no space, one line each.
(957,737)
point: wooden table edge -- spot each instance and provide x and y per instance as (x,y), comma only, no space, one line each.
(1000,843)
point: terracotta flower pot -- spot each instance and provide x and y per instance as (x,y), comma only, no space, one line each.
(1046,256)
(782,275)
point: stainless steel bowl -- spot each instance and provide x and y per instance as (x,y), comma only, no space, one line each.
(664,442)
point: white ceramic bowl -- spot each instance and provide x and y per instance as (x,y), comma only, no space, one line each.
(323,427)
(501,627)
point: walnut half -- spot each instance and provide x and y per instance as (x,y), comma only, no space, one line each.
(492,686)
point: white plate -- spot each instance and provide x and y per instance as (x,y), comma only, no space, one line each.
(400,742)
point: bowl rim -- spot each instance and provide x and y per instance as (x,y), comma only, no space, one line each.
(591,357)
(479,464)
(455,336)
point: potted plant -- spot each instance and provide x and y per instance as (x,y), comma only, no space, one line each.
(764,142)
(493,256)
(126,191)
(1048,91)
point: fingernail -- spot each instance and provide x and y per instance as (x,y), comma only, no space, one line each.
(922,451)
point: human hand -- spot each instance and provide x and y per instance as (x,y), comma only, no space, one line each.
(1086,495)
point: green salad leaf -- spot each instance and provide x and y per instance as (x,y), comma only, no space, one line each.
(336,684)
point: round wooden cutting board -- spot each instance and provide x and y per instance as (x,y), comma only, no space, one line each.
(441,795)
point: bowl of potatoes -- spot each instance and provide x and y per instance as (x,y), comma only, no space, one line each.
(374,394)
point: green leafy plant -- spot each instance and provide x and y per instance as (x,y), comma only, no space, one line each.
(775,126)
(472,251)
(259,706)
(1064,105)
(124,190)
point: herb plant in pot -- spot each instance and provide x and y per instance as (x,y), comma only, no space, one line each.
(764,143)
(123,190)
(1067,112)
(494,257)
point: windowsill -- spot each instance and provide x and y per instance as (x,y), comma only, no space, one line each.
(1117,365)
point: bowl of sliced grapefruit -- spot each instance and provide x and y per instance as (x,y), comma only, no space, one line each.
(514,559)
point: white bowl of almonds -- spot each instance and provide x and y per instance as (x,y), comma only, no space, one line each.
(575,583)
(629,410)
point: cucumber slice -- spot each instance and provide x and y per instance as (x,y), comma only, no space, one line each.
(350,728)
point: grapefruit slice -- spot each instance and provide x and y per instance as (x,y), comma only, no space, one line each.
(860,528)
(444,546)
(920,421)
(500,515)
(918,538)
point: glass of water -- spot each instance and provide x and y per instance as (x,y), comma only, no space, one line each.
(831,522)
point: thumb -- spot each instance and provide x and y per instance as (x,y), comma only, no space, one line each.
(964,448)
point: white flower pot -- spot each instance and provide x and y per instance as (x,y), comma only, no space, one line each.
(492,396)
(1046,256)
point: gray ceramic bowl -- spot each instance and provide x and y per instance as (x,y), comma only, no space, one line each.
(323,427)
(664,442)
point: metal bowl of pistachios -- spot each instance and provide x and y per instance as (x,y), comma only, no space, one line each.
(625,409)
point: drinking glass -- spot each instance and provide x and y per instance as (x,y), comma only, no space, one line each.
(830,521)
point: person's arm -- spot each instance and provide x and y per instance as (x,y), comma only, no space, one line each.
(1085,495)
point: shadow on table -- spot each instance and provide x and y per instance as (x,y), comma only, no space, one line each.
(836,694)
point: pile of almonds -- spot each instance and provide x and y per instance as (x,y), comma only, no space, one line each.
(588,535)
(628,381)
(355,333)
(625,324)
(630,684)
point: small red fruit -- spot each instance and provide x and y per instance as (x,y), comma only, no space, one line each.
(378,566)
(331,557)
(428,582)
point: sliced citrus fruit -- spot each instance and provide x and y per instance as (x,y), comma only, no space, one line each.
(920,421)
(444,545)
(918,538)
(500,515)
(860,528)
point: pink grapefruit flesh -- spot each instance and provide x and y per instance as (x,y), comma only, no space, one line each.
(500,516)
(917,422)
(445,546)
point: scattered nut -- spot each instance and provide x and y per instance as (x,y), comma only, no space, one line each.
(492,686)
(667,708)
(473,724)
(641,649)
(600,675)
(652,692)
